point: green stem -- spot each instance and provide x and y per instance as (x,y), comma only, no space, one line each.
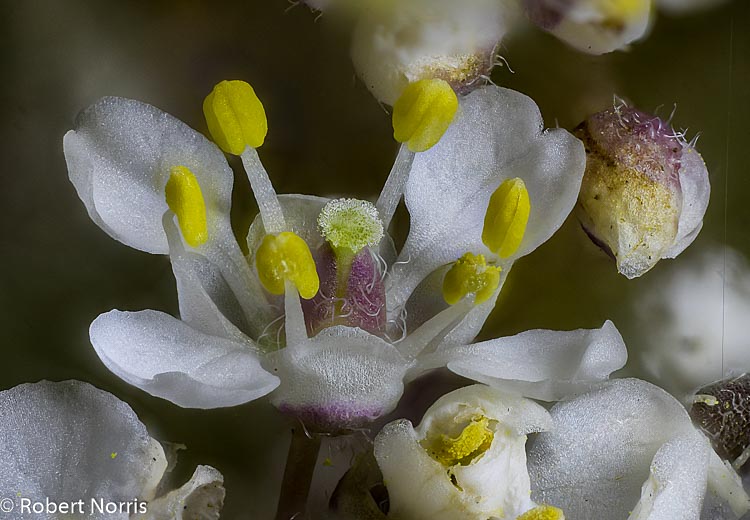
(300,466)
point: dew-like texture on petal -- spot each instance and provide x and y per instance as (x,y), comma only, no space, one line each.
(200,498)
(494,483)
(342,378)
(677,481)
(396,43)
(70,441)
(119,159)
(595,460)
(592,26)
(169,359)
(497,135)
(696,191)
(543,364)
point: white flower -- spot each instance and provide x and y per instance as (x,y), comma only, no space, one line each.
(693,320)
(628,450)
(70,441)
(465,460)
(592,26)
(341,357)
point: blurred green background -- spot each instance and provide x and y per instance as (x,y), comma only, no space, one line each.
(327,136)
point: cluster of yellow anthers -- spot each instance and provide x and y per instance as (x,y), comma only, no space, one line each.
(237,122)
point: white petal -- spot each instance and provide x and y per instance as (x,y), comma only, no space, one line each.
(201,498)
(677,482)
(341,378)
(496,136)
(168,359)
(696,191)
(725,497)
(207,301)
(543,364)
(119,158)
(594,461)
(70,441)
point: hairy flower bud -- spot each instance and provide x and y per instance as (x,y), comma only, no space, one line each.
(645,189)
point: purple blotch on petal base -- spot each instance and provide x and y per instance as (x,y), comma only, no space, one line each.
(361,305)
(331,417)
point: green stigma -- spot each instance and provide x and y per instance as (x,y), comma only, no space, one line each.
(350,224)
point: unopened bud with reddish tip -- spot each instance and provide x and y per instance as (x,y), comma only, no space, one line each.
(645,189)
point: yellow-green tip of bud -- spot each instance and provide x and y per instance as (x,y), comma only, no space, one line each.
(185,199)
(506,218)
(470,274)
(423,113)
(285,257)
(543,513)
(235,116)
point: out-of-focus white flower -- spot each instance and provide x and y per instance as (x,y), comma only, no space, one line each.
(628,450)
(645,190)
(695,321)
(399,42)
(688,6)
(70,441)
(465,460)
(493,189)
(592,26)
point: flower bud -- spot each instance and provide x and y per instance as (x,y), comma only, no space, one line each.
(397,43)
(645,190)
(592,26)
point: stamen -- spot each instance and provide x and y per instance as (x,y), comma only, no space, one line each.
(423,113)
(235,117)
(286,257)
(473,441)
(185,199)
(543,513)
(506,218)
(470,275)
(237,122)
(393,189)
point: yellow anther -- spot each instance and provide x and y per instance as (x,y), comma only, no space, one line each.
(471,443)
(506,218)
(185,199)
(235,116)
(423,113)
(470,274)
(543,513)
(286,257)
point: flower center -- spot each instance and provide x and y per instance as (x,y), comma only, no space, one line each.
(473,441)
(285,257)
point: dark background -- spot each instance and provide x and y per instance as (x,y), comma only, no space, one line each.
(327,136)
